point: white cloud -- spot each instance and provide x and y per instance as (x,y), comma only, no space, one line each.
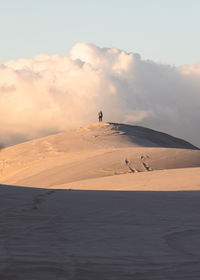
(50,93)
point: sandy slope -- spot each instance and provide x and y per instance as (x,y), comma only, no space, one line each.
(160,180)
(98,150)
(87,235)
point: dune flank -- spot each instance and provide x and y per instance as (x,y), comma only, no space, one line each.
(95,151)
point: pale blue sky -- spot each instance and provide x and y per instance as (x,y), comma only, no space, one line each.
(160,30)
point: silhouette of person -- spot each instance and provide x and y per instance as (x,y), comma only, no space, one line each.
(100,114)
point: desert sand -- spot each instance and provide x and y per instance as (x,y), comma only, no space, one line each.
(183,179)
(96,151)
(106,201)
(81,235)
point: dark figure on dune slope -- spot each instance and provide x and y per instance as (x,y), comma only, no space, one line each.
(100,114)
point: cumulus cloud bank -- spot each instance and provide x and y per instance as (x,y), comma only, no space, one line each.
(51,93)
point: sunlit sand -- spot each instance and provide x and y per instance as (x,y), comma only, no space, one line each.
(102,150)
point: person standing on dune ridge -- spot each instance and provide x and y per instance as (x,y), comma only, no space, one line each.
(100,114)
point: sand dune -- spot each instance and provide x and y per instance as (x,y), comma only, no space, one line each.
(60,233)
(94,151)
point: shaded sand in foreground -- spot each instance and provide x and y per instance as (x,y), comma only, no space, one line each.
(87,235)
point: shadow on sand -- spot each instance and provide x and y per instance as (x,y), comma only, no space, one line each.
(158,139)
(64,234)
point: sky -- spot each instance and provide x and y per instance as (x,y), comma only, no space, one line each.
(160,30)
(61,61)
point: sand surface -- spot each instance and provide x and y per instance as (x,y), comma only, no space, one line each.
(98,204)
(91,152)
(62,234)
(185,179)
